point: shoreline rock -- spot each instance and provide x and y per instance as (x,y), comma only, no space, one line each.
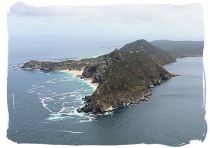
(100,109)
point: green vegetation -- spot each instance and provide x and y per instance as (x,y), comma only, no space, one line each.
(125,81)
(156,54)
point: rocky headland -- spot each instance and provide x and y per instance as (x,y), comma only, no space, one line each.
(123,77)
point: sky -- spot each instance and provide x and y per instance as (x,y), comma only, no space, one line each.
(108,22)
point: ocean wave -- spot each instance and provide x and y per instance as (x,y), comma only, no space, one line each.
(59,117)
(73,114)
(84,121)
(73,132)
(62,105)
(45,105)
(63,79)
(34,89)
(109,113)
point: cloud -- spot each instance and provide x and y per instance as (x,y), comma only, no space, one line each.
(131,21)
(114,13)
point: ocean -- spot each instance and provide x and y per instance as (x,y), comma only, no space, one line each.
(42,106)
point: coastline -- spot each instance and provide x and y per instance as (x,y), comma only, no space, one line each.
(78,74)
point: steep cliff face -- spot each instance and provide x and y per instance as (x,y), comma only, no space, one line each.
(156,54)
(125,81)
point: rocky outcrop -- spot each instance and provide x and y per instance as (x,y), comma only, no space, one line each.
(126,81)
(52,66)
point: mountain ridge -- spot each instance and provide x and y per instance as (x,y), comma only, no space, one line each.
(179,49)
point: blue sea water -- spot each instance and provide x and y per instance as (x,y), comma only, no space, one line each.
(42,107)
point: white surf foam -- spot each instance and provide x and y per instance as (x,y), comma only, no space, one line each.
(63,105)
(59,117)
(62,79)
(43,99)
(73,132)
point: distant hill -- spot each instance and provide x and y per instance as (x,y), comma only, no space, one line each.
(180,49)
(156,54)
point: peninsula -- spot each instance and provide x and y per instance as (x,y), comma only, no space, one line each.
(122,78)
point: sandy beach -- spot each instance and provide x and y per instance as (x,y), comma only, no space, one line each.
(78,73)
